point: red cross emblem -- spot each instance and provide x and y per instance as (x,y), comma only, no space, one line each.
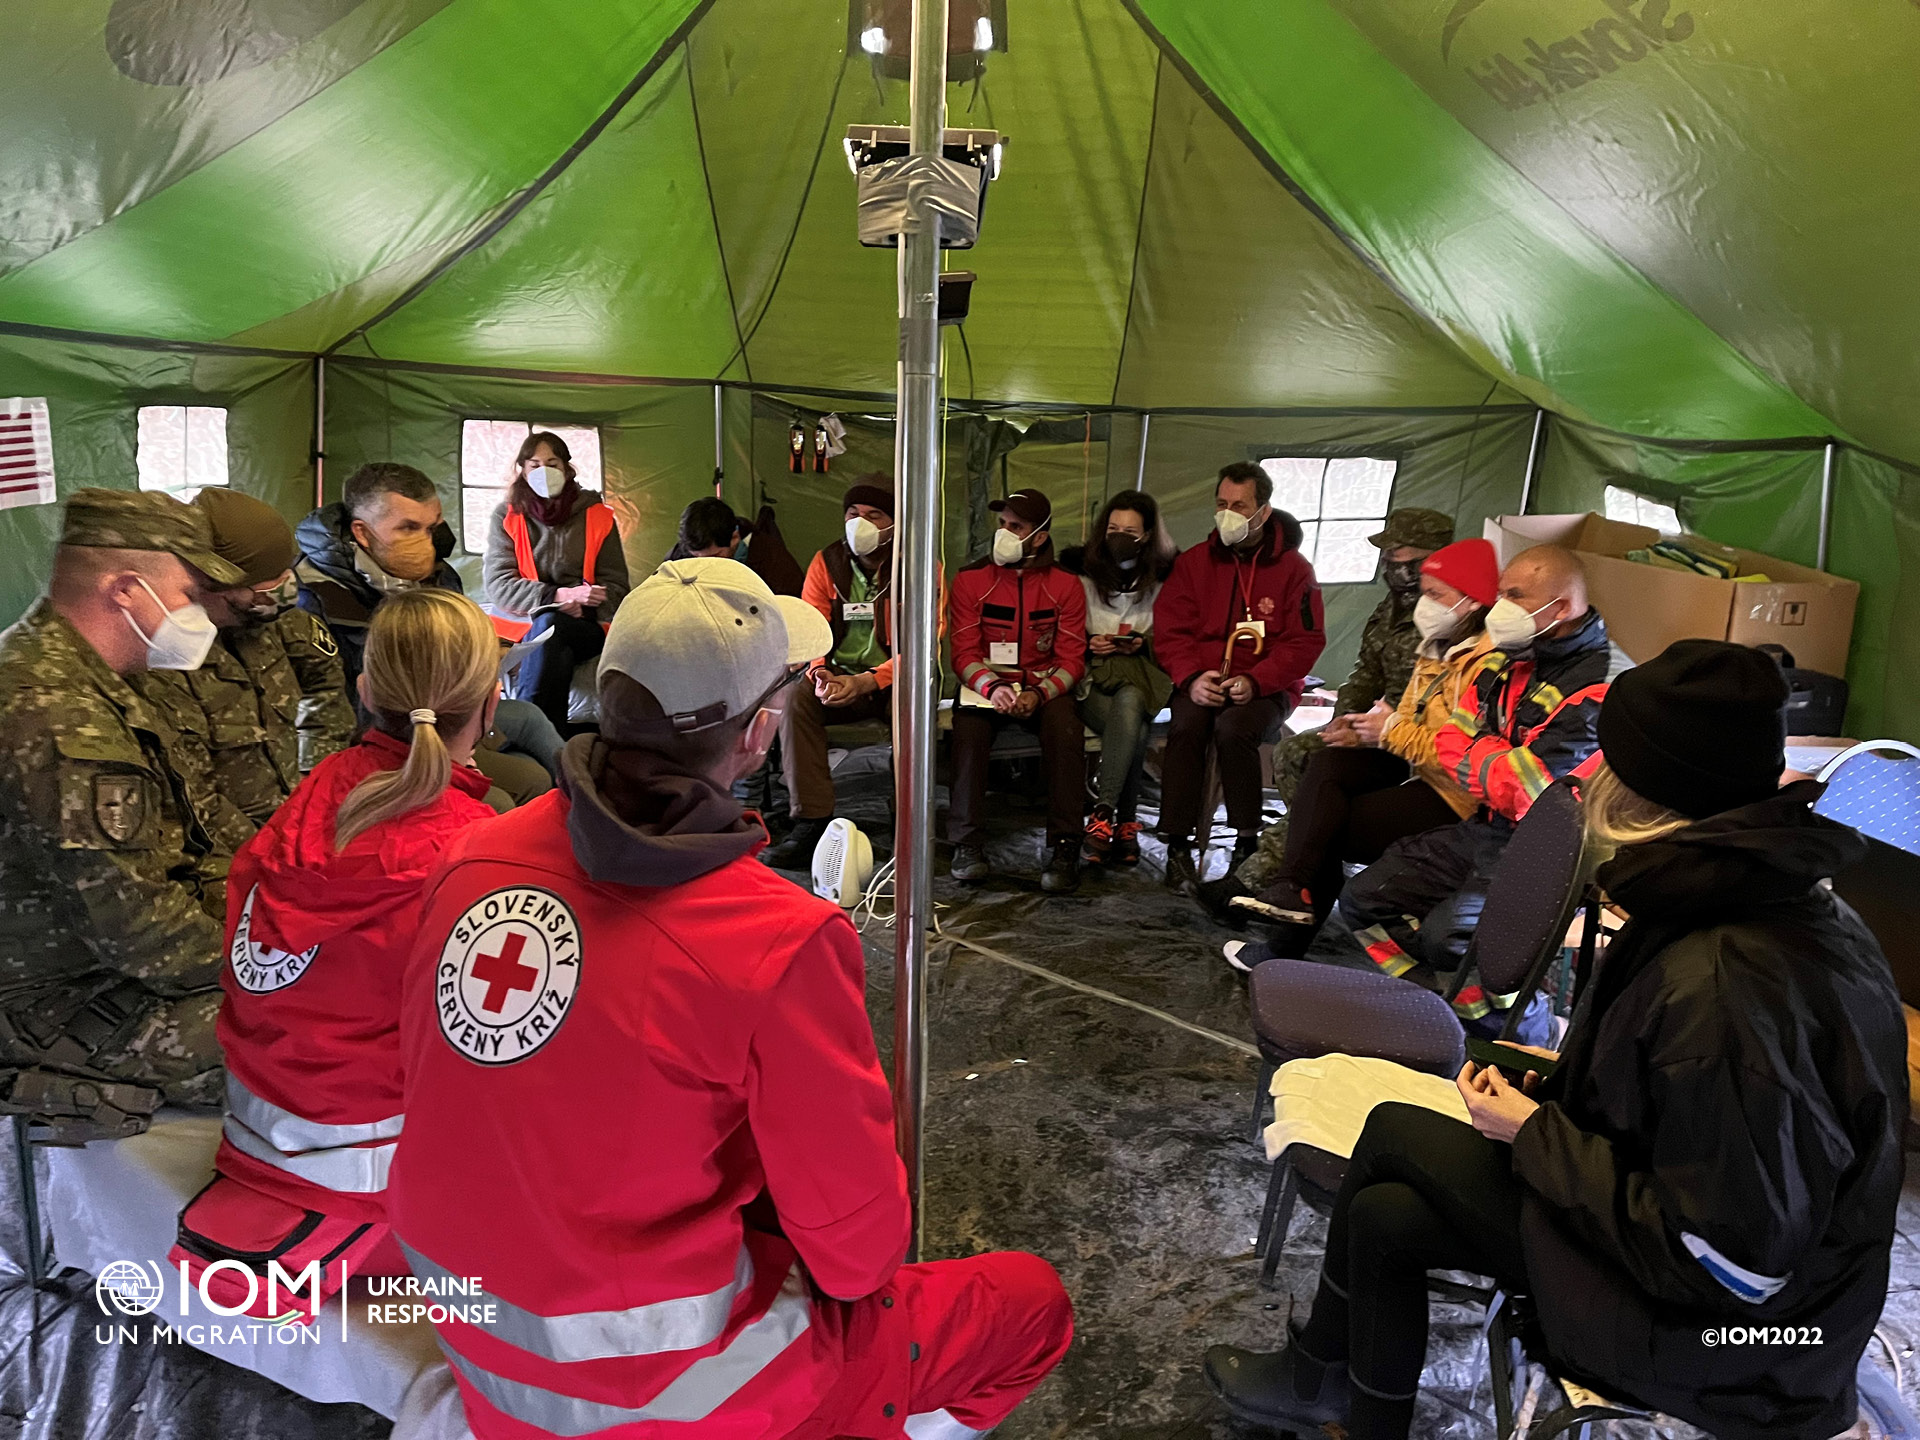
(503,973)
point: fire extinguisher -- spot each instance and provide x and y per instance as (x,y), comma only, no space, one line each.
(822,461)
(797,447)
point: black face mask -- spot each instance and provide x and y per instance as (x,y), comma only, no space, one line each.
(1401,576)
(1123,547)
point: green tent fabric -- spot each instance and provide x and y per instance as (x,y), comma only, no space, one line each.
(1319,227)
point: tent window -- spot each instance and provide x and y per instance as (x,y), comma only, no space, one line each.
(181,449)
(487,448)
(26,453)
(1637,509)
(1338,503)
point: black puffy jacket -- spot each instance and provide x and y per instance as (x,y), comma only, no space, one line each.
(1733,1087)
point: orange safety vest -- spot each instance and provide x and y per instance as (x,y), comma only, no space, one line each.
(599,526)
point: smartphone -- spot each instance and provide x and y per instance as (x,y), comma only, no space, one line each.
(1508,1061)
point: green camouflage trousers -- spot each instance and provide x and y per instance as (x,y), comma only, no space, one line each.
(174,1047)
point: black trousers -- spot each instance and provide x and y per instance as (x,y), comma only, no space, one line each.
(546,675)
(1350,806)
(1063,756)
(1236,733)
(1423,1192)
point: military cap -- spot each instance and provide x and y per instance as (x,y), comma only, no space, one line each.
(248,532)
(146,520)
(1409,525)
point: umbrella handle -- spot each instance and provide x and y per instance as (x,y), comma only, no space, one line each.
(1239,635)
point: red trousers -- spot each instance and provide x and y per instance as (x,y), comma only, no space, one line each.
(946,1350)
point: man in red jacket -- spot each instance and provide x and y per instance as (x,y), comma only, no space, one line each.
(1237,625)
(1018,626)
(648,1140)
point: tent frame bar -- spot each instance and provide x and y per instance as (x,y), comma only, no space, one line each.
(1827,466)
(719,438)
(319,431)
(1140,474)
(1531,478)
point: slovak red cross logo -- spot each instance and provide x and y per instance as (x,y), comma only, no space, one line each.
(507,974)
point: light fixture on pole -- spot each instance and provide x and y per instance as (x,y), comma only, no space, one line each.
(883,30)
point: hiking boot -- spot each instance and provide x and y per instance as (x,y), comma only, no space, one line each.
(969,864)
(1181,874)
(1062,873)
(1126,843)
(796,851)
(1099,838)
(1285,1390)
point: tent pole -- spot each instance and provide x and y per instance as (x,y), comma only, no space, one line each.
(1528,480)
(1140,475)
(319,431)
(719,442)
(1826,505)
(917,462)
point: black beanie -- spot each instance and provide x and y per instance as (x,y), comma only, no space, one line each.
(1700,728)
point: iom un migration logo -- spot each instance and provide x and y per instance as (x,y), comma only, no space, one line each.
(130,1287)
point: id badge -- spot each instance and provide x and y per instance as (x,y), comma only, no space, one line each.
(857,610)
(1258,627)
(1003,652)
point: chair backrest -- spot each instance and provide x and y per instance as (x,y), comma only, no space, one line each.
(1875,788)
(1535,890)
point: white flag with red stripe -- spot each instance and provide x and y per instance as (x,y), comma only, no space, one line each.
(26,453)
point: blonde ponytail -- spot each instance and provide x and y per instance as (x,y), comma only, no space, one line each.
(1618,816)
(431,662)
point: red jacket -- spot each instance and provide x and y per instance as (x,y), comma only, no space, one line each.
(1212,589)
(650,1118)
(1041,609)
(315,945)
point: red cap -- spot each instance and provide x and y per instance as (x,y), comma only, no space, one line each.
(1469,566)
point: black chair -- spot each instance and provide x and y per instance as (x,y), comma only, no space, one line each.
(1302,1010)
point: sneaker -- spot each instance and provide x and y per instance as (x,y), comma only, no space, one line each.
(969,863)
(1285,1390)
(1181,874)
(1062,873)
(1099,838)
(1126,843)
(1243,955)
(796,851)
(1283,903)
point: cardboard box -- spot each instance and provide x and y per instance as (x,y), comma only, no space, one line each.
(1647,607)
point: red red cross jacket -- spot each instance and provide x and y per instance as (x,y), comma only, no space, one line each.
(649,1118)
(1212,589)
(1038,614)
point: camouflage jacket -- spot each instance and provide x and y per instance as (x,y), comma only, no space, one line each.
(103,863)
(188,742)
(1385,664)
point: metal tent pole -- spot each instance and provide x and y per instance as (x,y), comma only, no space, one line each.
(719,443)
(319,431)
(1826,505)
(1140,475)
(916,538)
(1533,460)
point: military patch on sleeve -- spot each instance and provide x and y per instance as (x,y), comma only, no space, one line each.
(322,635)
(119,805)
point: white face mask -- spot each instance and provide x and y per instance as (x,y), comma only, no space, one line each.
(1008,548)
(864,537)
(547,480)
(182,640)
(1510,627)
(1233,527)
(1435,621)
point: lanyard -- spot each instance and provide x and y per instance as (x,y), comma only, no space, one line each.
(1245,586)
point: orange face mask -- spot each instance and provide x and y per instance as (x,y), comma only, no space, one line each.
(410,557)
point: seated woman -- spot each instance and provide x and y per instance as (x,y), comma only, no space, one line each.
(1718,1145)
(1121,569)
(320,911)
(1378,779)
(554,558)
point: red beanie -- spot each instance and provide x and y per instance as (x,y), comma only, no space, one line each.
(1469,566)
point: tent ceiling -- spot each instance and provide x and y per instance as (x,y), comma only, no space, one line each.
(1702,233)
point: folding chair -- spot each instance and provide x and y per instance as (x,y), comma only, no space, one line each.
(1302,1009)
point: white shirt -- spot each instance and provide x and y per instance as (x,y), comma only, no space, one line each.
(1132,608)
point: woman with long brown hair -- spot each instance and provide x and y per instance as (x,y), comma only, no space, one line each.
(320,911)
(554,559)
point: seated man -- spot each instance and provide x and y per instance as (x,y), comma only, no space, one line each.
(1237,625)
(387,533)
(708,530)
(1526,718)
(1018,624)
(1388,643)
(851,583)
(661,1138)
(109,960)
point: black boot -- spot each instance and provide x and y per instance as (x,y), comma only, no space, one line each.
(1062,873)
(969,863)
(1181,874)
(1286,1389)
(796,851)
(1216,897)
(1245,847)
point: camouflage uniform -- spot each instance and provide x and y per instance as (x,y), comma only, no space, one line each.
(1381,672)
(109,960)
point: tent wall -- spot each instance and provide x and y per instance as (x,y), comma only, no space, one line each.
(94,393)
